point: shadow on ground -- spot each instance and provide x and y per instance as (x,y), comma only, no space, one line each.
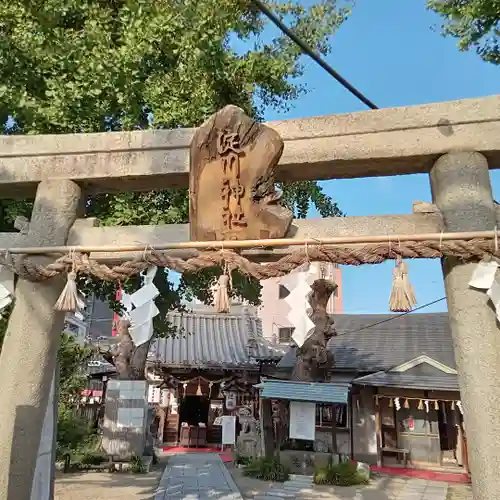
(381,488)
(108,486)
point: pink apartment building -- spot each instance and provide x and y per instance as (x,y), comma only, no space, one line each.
(274,309)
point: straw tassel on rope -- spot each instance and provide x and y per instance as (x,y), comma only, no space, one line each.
(199,392)
(402,297)
(222,302)
(69,300)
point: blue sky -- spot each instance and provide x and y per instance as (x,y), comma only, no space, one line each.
(392,51)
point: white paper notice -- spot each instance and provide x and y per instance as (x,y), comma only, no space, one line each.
(483,275)
(302,420)
(228,423)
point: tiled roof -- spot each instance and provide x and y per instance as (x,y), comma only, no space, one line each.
(215,340)
(389,343)
(319,392)
(440,381)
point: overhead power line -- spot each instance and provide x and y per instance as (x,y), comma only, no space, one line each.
(393,318)
(311,53)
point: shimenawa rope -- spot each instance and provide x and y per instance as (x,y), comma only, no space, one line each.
(470,250)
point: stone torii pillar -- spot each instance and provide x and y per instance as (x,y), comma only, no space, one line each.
(29,352)
(461,189)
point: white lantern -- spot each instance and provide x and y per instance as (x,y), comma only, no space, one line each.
(231,400)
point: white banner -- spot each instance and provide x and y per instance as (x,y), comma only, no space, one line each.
(302,420)
(228,423)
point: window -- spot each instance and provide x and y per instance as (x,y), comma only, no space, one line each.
(415,421)
(324,415)
(283,292)
(285,335)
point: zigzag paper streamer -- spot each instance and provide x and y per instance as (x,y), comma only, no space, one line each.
(299,286)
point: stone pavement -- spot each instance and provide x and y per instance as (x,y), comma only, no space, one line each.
(420,489)
(196,476)
(301,488)
(295,488)
(203,476)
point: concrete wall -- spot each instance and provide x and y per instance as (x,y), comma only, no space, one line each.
(273,311)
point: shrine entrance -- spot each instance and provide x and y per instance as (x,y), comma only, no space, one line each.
(451,436)
(237,224)
(193,410)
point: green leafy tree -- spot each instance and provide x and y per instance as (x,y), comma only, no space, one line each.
(73,431)
(71,66)
(476,24)
(73,359)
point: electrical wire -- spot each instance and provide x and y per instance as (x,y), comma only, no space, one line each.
(312,54)
(392,318)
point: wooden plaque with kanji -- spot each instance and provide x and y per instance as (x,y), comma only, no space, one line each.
(232,193)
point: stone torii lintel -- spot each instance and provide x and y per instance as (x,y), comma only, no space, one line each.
(391,141)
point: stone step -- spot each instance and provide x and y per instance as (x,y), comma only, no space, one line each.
(300,477)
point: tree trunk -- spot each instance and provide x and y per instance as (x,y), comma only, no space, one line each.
(129,360)
(267,428)
(314,361)
(335,450)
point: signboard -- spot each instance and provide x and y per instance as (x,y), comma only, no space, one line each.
(302,420)
(165,398)
(228,423)
(154,394)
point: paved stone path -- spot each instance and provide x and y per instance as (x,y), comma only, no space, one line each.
(197,476)
(295,488)
(301,488)
(419,489)
(203,476)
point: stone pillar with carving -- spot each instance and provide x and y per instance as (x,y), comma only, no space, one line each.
(29,352)
(461,190)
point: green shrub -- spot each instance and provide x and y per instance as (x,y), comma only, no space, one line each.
(266,469)
(74,434)
(342,474)
(241,460)
(92,458)
(137,465)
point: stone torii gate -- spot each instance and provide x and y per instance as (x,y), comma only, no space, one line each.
(454,142)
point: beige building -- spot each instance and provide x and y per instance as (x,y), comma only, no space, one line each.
(274,309)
